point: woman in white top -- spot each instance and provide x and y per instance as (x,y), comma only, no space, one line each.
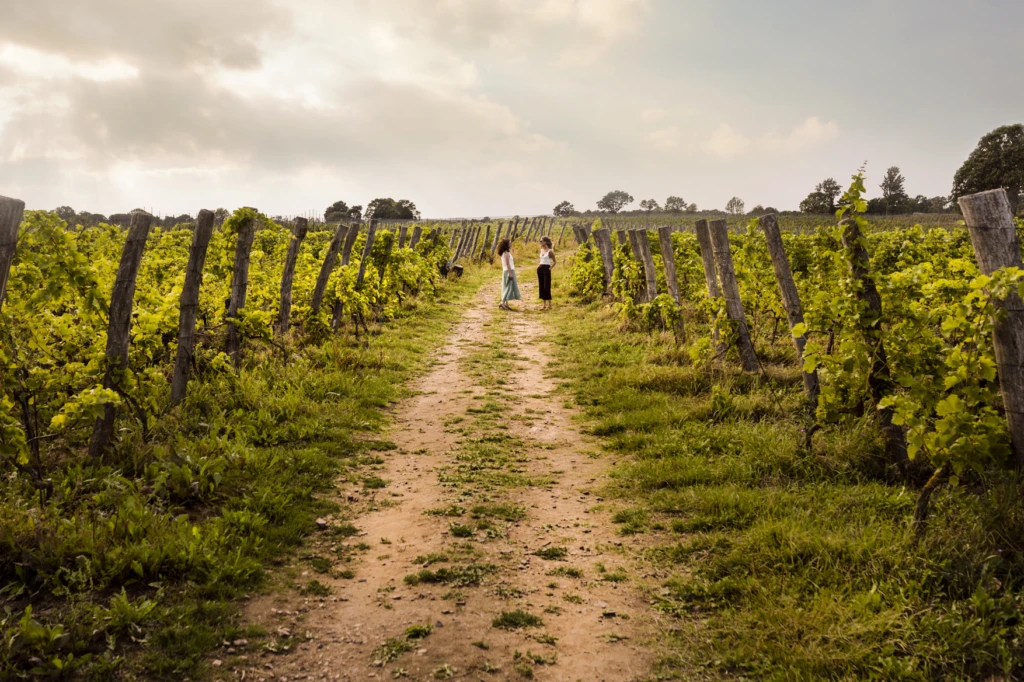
(547,263)
(509,285)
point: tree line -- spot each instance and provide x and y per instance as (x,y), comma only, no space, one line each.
(996,162)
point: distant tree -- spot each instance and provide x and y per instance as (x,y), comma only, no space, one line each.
(389,209)
(831,189)
(757,210)
(67,214)
(86,219)
(564,210)
(649,205)
(997,161)
(120,219)
(613,202)
(769,209)
(675,204)
(816,202)
(692,208)
(220,215)
(734,206)
(876,205)
(355,212)
(336,212)
(893,190)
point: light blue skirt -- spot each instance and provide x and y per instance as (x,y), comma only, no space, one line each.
(509,287)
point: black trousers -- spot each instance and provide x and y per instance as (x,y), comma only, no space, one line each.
(544,278)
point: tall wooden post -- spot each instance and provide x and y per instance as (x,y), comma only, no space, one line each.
(497,238)
(561,233)
(189,304)
(790,299)
(350,240)
(417,232)
(707,258)
(11,213)
(990,223)
(287,277)
(479,255)
(403,232)
(367,249)
(387,256)
(239,287)
(668,263)
(650,274)
(119,323)
(451,240)
(731,292)
(330,260)
(603,239)
(879,378)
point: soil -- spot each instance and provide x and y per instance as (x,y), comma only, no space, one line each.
(604,630)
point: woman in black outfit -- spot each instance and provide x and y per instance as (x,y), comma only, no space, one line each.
(547,262)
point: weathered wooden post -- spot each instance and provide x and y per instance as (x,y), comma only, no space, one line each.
(350,240)
(603,239)
(291,258)
(451,240)
(479,255)
(990,223)
(650,274)
(239,287)
(731,292)
(562,232)
(668,263)
(119,323)
(417,232)
(11,213)
(330,260)
(371,232)
(707,257)
(879,378)
(403,232)
(387,256)
(189,304)
(790,299)
(497,238)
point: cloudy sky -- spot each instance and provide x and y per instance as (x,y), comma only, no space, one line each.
(491,107)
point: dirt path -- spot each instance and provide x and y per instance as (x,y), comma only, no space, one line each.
(489,508)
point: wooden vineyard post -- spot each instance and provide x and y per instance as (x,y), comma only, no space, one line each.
(371,232)
(668,263)
(603,239)
(497,238)
(330,260)
(11,213)
(190,304)
(990,223)
(707,258)
(476,242)
(561,233)
(585,232)
(119,323)
(790,299)
(403,232)
(417,232)
(731,292)
(288,276)
(239,287)
(387,256)
(650,274)
(350,240)
(622,236)
(451,240)
(879,378)
(479,254)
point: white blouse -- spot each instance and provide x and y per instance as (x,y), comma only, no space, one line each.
(545,257)
(507,263)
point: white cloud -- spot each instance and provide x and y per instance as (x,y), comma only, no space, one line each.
(726,143)
(665,139)
(31,63)
(652,115)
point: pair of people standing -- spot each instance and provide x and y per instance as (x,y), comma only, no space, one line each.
(509,283)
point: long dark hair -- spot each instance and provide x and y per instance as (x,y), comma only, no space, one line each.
(503,246)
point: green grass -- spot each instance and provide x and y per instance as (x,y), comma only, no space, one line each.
(514,620)
(785,563)
(459,576)
(552,553)
(159,547)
